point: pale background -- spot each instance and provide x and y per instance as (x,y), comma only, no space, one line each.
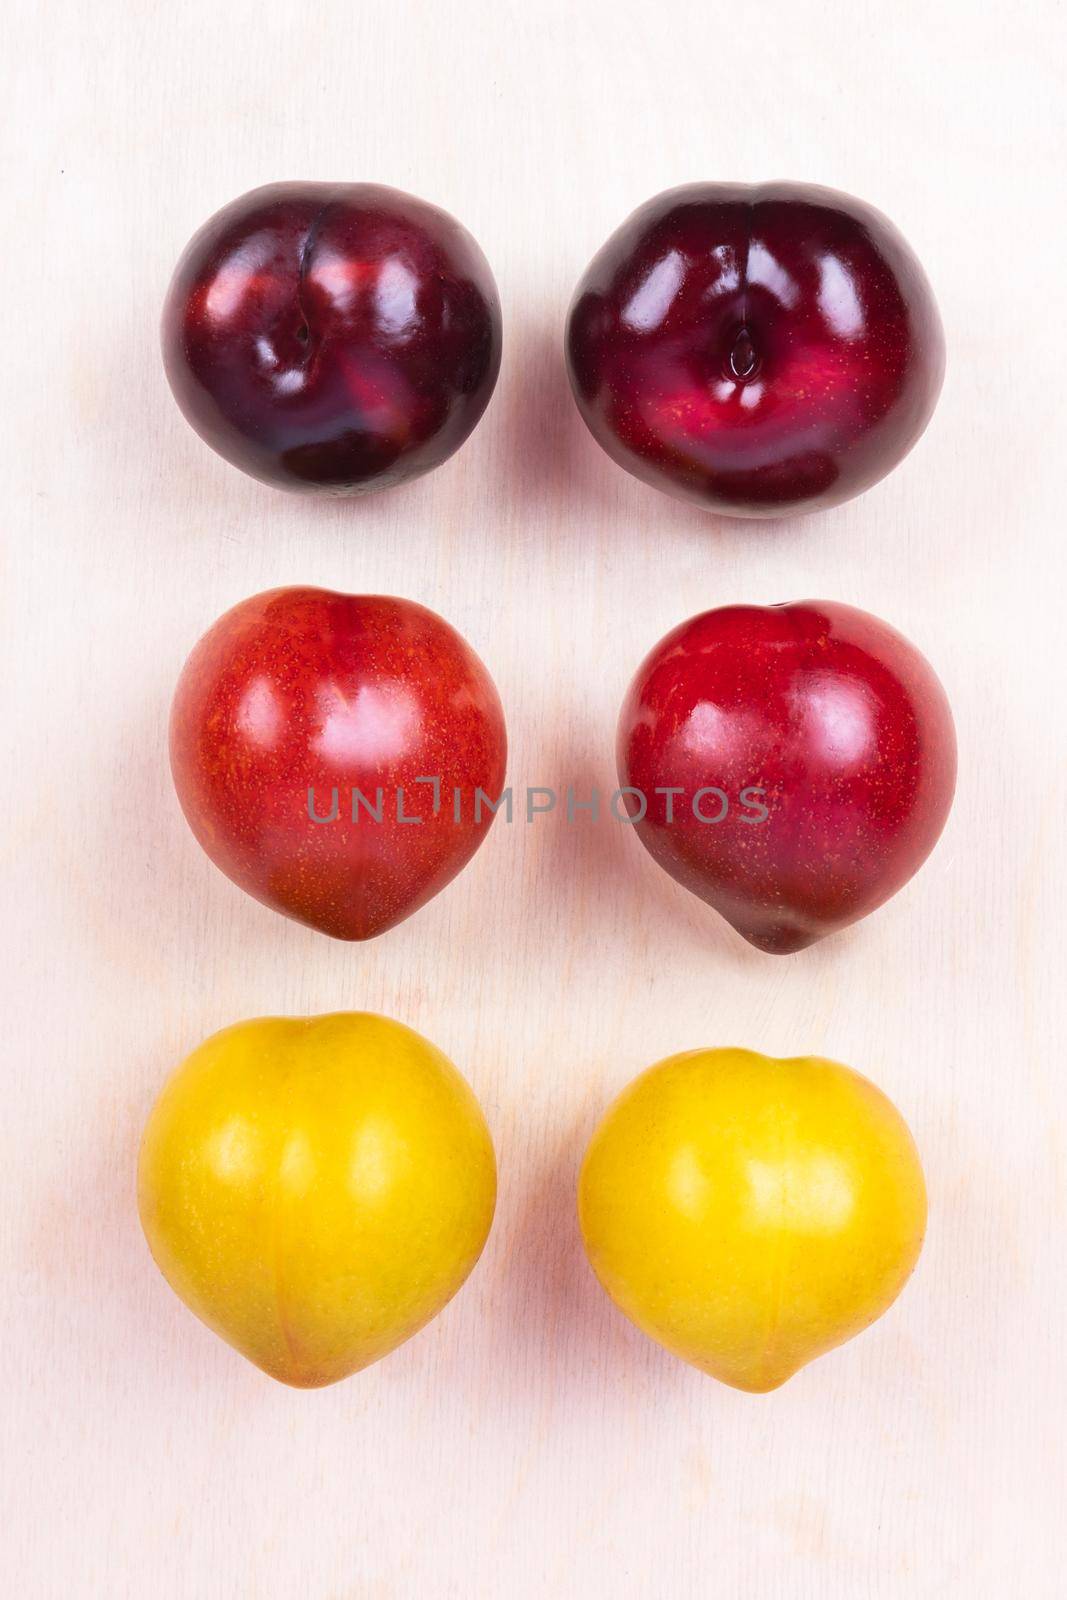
(529,1442)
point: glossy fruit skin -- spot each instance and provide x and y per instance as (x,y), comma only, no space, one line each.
(316,1189)
(751,1214)
(836,718)
(761,350)
(300,690)
(340,337)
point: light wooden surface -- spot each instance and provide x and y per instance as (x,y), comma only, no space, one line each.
(528,1443)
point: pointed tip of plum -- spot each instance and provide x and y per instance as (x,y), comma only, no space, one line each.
(758,1382)
(779,939)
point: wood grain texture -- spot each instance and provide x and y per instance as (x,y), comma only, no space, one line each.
(529,1442)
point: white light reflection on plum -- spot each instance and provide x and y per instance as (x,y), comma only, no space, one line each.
(805,1192)
(765,270)
(839,717)
(259,716)
(650,302)
(370,725)
(838,300)
(394,297)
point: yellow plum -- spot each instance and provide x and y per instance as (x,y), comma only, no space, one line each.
(750,1213)
(316,1189)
